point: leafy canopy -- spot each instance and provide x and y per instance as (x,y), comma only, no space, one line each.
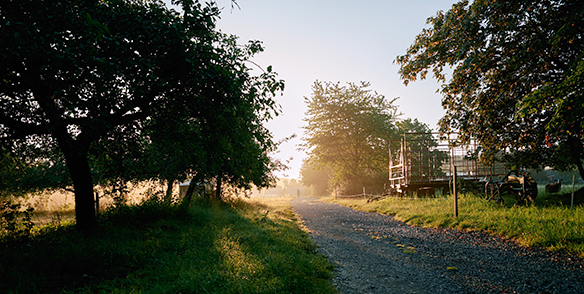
(123,89)
(347,130)
(517,77)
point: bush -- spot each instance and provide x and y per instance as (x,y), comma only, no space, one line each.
(14,220)
(147,212)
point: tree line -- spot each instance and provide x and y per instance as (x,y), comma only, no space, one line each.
(512,75)
(108,92)
(347,133)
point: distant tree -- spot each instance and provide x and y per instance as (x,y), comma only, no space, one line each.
(314,177)
(104,83)
(517,80)
(348,129)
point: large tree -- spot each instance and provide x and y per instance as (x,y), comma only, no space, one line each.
(347,130)
(104,80)
(517,77)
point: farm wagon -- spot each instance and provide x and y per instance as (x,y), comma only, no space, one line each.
(423,163)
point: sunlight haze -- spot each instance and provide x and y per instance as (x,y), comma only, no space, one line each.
(337,41)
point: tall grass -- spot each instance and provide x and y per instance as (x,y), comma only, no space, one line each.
(214,247)
(554,227)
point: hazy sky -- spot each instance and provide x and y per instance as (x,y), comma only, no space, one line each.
(338,41)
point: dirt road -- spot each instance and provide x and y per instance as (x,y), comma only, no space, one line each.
(377,254)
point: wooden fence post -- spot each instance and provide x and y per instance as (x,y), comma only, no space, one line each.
(572,201)
(454,191)
(96,203)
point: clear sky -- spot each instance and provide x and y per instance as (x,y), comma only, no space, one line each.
(338,41)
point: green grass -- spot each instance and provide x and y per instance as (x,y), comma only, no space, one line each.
(55,217)
(545,224)
(236,247)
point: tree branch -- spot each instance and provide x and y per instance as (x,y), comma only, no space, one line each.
(21,129)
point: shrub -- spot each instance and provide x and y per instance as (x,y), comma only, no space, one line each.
(15,221)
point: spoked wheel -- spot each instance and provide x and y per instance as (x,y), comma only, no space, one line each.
(492,192)
(530,192)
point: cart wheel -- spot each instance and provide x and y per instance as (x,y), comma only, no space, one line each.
(532,192)
(492,192)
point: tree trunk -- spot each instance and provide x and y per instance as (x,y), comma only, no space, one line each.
(580,168)
(577,151)
(83,186)
(96,203)
(218,188)
(194,184)
(78,165)
(168,195)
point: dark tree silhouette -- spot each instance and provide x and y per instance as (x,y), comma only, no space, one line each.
(105,83)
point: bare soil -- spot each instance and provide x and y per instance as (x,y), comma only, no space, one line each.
(376,253)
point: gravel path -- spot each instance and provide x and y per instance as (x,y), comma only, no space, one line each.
(377,254)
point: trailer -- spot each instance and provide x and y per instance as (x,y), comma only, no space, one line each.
(422,163)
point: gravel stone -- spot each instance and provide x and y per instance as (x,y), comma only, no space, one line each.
(376,253)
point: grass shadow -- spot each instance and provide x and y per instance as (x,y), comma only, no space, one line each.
(215,247)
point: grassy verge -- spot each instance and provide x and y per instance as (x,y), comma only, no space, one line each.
(553,227)
(239,247)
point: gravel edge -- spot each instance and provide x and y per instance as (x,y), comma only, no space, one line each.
(376,253)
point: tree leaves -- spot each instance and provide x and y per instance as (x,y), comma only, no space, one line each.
(515,76)
(134,91)
(347,130)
